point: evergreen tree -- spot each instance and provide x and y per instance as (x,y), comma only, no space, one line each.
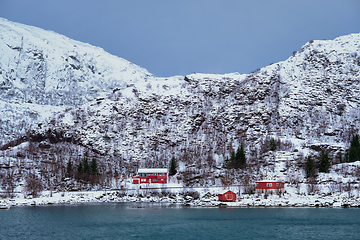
(310,167)
(273,144)
(80,168)
(93,167)
(86,166)
(240,157)
(324,161)
(172,170)
(69,169)
(354,150)
(232,159)
(237,160)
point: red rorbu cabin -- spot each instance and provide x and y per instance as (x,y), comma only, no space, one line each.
(268,186)
(229,196)
(150,175)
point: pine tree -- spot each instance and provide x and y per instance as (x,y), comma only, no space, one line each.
(69,170)
(273,144)
(354,150)
(240,157)
(172,170)
(310,167)
(324,161)
(93,167)
(80,168)
(86,166)
(232,159)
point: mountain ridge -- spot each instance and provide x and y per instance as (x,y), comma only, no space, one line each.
(46,68)
(126,118)
(283,99)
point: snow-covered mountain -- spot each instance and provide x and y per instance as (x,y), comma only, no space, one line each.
(115,108)
(41,69)
(311,99)
(71,101)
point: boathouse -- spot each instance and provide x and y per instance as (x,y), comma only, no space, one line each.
(229,196)
(150,175)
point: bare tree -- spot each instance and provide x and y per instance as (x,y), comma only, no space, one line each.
(248,186)
(333,187)
(348,188)
(9,182)
(189,178)
(312,186)
(33,185)
(226,180)
(340,186)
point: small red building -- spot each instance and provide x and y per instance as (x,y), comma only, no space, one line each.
(229,196)
(266,186)
(150,175)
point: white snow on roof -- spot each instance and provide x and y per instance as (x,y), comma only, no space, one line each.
(270,181)
(152,170)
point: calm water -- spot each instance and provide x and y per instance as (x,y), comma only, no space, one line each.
(164,221)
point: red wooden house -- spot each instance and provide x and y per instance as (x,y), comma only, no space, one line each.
(266,186)
(150,175)
(229,196)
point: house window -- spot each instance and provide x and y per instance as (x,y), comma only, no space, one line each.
(277,184)
(143,180)
(257,184)
(269,184)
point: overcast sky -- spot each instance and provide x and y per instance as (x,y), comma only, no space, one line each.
(179,37)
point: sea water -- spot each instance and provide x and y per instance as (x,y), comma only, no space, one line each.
(169,221)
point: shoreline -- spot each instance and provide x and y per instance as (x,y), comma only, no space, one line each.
(245,200)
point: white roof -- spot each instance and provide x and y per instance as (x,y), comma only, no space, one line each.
(270,181)
(152,170)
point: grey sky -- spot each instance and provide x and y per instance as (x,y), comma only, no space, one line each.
(172,37)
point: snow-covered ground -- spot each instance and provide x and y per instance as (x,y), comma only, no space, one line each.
(207,197)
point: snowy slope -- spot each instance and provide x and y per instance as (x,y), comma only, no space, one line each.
(45,68)
(320,90)
(311,100)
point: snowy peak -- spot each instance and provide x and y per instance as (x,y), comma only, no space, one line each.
(41,69)
(47,68)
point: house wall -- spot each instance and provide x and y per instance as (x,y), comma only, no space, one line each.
(263,187)
(150,178)
(228,196)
